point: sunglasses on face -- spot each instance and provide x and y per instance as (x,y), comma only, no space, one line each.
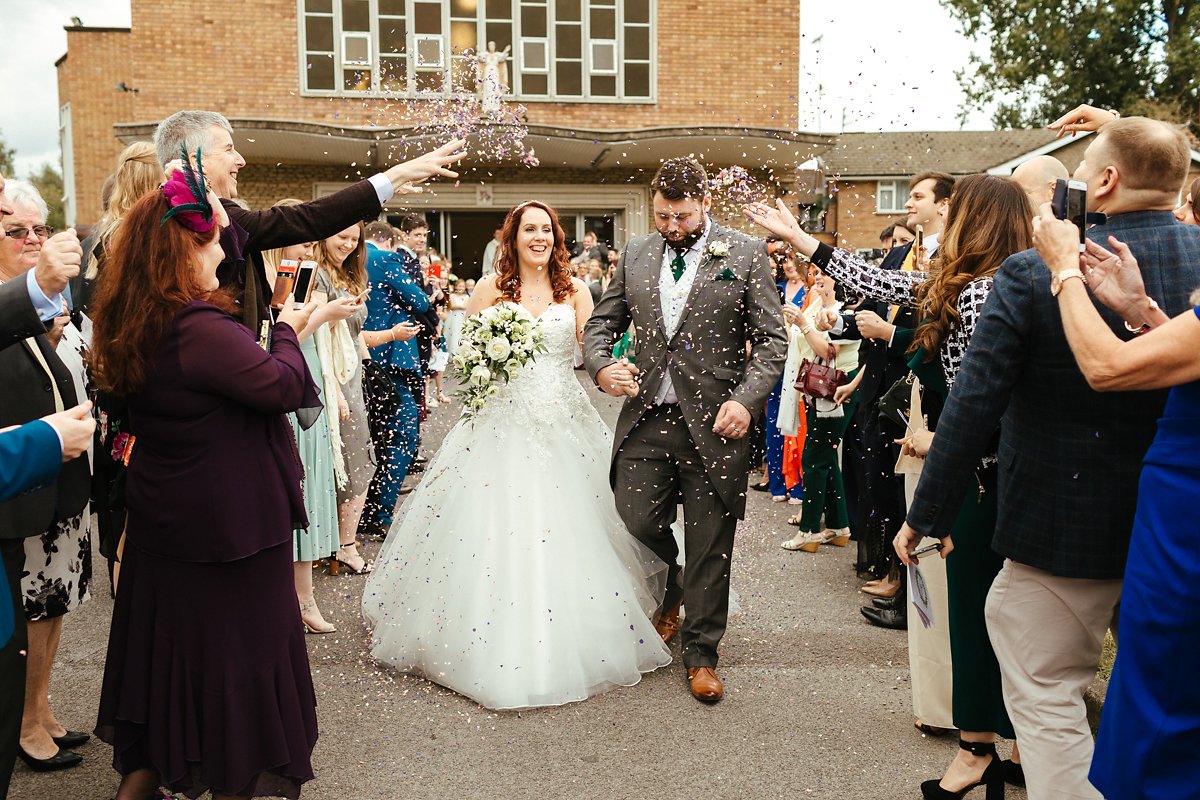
(41,231)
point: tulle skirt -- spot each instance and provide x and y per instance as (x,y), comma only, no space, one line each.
(510,577)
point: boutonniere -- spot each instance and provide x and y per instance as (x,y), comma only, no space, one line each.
(718,249)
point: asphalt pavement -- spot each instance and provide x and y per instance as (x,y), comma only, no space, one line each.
(817,703)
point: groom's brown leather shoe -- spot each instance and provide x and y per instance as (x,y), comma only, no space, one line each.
(668,624)
(705,685)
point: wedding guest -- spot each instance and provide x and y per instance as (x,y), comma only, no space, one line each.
(792,290)
(393,308)
(1083,477)
(823,518)
(27,307)
(1186,211)
(251,232)
(137,172)
(1037,178)
(1151,719)
(457,316)
(206,684)
(343,258)
(58,568)
(987,221)
(470,286)
(490,252)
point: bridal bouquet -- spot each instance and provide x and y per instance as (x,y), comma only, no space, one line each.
(495,344)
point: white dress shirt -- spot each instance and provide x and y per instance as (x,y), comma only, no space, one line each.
(674,296)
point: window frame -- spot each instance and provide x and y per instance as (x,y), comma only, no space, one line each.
(516,94)
(899,195)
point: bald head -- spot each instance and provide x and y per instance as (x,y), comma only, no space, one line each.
(1036,178)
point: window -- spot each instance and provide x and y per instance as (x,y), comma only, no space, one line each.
(587,49)
(890,197)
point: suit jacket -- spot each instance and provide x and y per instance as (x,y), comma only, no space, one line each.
(1069,457)
(733,301)
(395,297)
(29,459)
(18,318)
(251,232)
(28,395)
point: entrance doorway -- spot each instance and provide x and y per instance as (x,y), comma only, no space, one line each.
(468,233)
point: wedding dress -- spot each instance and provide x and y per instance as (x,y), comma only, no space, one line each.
(508,576)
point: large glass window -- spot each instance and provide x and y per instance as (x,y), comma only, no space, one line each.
(585,49)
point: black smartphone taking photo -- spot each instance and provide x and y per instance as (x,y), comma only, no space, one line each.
(302,286)
(1070,202)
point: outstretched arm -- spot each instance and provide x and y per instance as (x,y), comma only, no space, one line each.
(768,339)
(609,321)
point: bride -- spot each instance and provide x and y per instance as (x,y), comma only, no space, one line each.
(509,577)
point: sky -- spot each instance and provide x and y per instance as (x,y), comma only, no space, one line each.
(872,62)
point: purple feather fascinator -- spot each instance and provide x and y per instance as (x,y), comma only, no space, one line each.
(188,196)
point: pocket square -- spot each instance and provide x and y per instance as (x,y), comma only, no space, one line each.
(726,275)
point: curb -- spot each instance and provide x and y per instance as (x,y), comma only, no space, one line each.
(1093,699)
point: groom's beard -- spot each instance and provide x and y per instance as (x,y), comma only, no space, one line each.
(689,241)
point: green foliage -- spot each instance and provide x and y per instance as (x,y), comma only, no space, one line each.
(49,184)
(7,156)
(1047,56)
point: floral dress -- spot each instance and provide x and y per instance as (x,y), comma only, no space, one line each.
(58,564)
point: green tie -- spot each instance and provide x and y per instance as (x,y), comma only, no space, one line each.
(678,266)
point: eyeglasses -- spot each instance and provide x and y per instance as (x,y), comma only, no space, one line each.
(41,231)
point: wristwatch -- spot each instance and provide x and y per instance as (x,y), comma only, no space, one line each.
(1056,283)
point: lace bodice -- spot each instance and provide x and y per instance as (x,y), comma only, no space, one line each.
(545,392)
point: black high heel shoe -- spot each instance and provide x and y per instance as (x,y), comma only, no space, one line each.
(1014,773)
(993,776)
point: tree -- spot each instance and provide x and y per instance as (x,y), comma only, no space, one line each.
(49,184)
(7,165)
(1137,56)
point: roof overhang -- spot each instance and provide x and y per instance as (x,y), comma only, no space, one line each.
(291,142)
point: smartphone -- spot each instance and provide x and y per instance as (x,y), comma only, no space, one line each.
(285,277)
(302,287)
(1070,202)
(918,246)
(362,297)
(435,270)
(926,549)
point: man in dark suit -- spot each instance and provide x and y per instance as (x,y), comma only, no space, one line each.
(33,375)
(1069,457)
(884,357)
(251,232)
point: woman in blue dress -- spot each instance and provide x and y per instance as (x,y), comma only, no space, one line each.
(1150,731)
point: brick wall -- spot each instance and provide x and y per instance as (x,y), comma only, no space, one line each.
(97,61)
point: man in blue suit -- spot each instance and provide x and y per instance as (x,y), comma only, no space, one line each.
(395,299)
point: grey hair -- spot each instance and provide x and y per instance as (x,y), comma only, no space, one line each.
(189,129)
(24,193)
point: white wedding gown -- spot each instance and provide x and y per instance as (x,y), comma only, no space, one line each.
(509,577)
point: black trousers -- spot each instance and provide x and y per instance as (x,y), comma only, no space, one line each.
(881,507)
(656,468)
(12,663)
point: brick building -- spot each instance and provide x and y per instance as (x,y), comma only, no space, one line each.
(321,92)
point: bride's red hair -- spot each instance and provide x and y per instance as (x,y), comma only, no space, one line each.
(508,273)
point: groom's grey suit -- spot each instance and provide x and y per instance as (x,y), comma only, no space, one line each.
(666,454)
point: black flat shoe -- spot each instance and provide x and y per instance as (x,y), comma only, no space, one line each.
(885,618)
(761,487)
(63,759)
(894,603)
(72,739)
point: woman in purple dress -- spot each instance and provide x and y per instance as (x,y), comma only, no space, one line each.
(206,685)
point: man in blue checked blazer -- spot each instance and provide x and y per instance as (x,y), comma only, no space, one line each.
(1069,457)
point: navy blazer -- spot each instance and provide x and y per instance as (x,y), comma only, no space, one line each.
(1070,457)
(395,297)
(29,459)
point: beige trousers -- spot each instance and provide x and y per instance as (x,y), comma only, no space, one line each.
(1048,632)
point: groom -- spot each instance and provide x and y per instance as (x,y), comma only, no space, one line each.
(696,294)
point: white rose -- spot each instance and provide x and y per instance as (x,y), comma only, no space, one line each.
(480,375)
(499,349)
(719,249)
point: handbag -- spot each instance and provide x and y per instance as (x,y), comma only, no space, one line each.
(819,380)
(896,403)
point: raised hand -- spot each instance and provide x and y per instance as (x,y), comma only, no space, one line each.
(1081,118)
(407,178)
(58,262)
(297,318)
(1116,281)
(1056,240)
(780,221)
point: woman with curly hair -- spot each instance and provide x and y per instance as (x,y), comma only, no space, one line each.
(510,577)
(987,221)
